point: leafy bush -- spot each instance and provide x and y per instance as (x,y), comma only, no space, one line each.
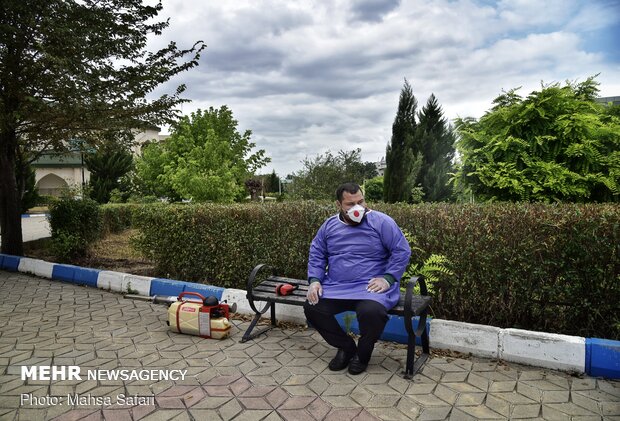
(116,217)
(75,224)
(554,268)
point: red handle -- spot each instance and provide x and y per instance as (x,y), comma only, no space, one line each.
(195,294)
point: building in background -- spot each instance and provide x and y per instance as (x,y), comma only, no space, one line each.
(380,164)
(55,173)
(614,100)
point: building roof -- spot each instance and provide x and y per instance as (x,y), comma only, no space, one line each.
(72,159)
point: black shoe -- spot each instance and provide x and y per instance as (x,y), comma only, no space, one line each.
(356,366)
(340,361)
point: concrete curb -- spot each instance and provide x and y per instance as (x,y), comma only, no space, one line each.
(596,357)
(34,215)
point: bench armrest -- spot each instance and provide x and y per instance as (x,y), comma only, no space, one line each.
(408,314)
(250,287)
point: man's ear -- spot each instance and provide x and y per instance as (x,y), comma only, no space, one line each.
(338,205)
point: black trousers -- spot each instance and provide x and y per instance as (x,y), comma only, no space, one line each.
(371,317)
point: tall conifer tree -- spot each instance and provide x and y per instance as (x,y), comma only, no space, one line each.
(401,154)
(436,140)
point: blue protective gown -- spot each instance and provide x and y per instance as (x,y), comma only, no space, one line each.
(344,258)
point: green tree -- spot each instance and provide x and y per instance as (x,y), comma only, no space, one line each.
(204,159)
(322,175)
(75,69)
(373,189)
(107,165)
(557,144)
(30,195)
(272,182)
(402,154)
(436,140)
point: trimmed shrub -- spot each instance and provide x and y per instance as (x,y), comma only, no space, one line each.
(554,268)
(75,224)
(116,217)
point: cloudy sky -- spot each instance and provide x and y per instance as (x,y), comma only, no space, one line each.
(316,75)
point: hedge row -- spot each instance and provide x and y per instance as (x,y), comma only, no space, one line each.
(554,268)
(117,217)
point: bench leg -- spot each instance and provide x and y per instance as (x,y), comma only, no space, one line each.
(408,373)
(413,365)
(248,333)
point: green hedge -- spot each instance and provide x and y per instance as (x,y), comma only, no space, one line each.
(554,268)
(116,217)
(74,225)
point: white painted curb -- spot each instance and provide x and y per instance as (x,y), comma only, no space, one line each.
(36,267)
(284,312)
(138,284)
(110,280)
(479,340)
(550,350)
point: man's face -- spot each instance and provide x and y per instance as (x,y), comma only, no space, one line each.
(348,201)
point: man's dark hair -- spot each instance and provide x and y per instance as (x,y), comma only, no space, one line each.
(350,188)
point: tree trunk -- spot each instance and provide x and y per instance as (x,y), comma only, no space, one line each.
(10,198)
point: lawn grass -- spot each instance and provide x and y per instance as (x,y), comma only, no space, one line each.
(113,252)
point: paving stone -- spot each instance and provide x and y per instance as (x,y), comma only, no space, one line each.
(318,385)
(502,386)
(421,388)
(272,416)
(427,400)
(388,414)
(529,391)
(298,390)
(33,415)
(613,388)
(481,412)
(435,413)
(555,396)
(610,408)
(524,411)
(342,414)
(318,408)
(340,401)
(162,415)
(383,401)
(297,402)
(470,399)
(296,415)
(361,395)
(339,390)
(555,410)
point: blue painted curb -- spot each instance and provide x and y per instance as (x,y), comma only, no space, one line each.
(64,273)
(394,328)
(205,290)
(86,276)
(10,263)
(160,286)
(603,358)
(75,274)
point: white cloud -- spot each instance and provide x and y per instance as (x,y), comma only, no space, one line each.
(311,76)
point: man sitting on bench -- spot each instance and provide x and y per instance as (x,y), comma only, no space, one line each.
(356,261)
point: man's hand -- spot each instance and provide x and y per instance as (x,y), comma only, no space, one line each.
(315,290)
(378,285)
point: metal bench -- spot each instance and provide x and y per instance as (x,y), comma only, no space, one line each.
(263,289)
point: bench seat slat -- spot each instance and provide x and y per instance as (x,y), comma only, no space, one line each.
(287,299)
(265,291)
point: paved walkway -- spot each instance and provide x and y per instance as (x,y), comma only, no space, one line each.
(281,375)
